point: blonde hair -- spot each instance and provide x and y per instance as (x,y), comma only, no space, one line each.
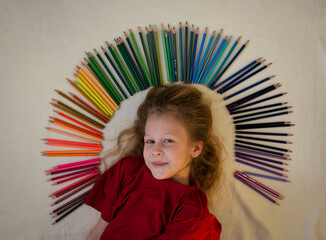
(188,106)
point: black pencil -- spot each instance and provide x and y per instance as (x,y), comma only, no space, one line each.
(263,139)
(261,112)
(67,213)
(263,146)
(264,133)
(253,96)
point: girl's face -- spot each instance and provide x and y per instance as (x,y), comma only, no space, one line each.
(168,150)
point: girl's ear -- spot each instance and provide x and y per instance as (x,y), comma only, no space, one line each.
(197,149)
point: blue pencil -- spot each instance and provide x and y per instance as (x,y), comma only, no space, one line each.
(199,54)
(237,73)
(225,87)
(193,56)
(217,60)
(180,52)
(213,82)
(232,60)
(262,117)
(213,59)
(249,87)
(190,53)
(208,58)
(204,57)
(230,86)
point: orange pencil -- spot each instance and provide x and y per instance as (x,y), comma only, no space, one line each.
(77,128)
(72,135)
(73,146)
(51,140)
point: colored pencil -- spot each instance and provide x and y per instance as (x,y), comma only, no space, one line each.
(72,168)
(241,157)
(231,61)
(260,168)
(71,186)
(71,153)
(264,133)
(261,112)
(199,55)
(76,199)
(77,189)
(214,78)
(263,125)
(72,174)
(260,158)
(263,146)
(262,117)
(73,127)
(261,150)
(202,62)
(266,176)
(258,108)
(255,189)
(74,177)
(67,213)
(253,96)
(259,185)
(246,88)
(72,135)
(264,139)
(93,160)
(260,153)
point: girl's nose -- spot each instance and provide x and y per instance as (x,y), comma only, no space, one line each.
(157,152)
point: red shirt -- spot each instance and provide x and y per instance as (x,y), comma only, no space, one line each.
(138,206)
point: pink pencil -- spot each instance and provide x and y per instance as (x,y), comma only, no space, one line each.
(74,177)
(72,168)
(78,163)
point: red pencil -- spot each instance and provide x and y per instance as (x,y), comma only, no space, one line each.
(72,174)
(74,185)
(78,122)
(74,177)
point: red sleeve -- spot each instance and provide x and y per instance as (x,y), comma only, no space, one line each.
(105,192)
(192,223)
(108,187)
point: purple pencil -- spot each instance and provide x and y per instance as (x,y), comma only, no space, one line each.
(260,163)
(260,153)
(260,158)
(261,168)
(259,185)
(257,190)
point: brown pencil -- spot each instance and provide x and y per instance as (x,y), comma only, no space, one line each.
(99,117)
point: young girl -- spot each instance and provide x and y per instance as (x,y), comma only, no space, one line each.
(173,159)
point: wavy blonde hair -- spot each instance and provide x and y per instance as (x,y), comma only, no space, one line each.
(186,103)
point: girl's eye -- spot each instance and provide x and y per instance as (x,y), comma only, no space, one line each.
(168,141)
(149,141)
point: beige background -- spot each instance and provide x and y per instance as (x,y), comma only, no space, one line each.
(42,41)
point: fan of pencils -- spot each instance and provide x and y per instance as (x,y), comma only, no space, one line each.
(153,57)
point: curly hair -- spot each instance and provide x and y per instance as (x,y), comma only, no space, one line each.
(186,103)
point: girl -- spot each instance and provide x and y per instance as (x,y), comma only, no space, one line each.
(173,159)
